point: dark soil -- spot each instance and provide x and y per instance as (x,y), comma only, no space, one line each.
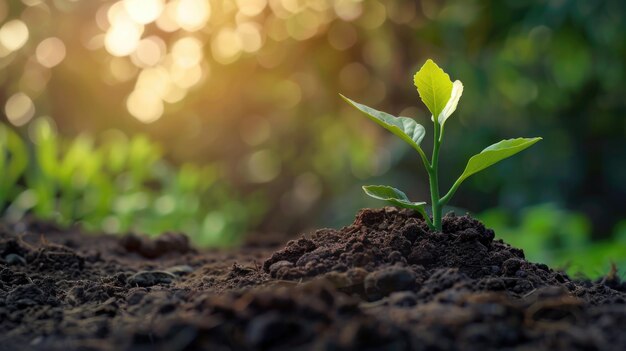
(383,283)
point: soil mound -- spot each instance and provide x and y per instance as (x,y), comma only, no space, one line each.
(387,250)
(383,283)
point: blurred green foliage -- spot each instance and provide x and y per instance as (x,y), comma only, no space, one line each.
(559,238)
(116,186)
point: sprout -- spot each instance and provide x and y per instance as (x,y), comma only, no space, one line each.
(441,96)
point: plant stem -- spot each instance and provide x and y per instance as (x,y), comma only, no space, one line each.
(444,200)
(433,178)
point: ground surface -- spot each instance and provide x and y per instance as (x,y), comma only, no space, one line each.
(382,283)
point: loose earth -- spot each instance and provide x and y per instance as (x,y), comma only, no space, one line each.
(383,283)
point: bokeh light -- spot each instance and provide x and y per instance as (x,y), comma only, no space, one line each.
(145,105)
(122,38)
(262,166)
(144,11)
(50,52)
(251,8)
(192,15)
(19,109)
(13,35)
(226,46)
(150,51)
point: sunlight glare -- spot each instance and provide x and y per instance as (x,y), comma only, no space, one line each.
(150,51)
(19,109)
(156,80)
(167,21)
(144,105)
(13,35)
(50,52)
(251,8)
(174,94)
(192,15)
(187,52)
(348,10)
(185,77)
(226,46)
(122,38)
(250,34)
(144,11)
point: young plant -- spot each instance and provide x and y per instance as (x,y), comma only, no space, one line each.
(441,96)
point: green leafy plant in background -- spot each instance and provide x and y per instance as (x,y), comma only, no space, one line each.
(13,163)
(560,238)
(119,185)
(441,96)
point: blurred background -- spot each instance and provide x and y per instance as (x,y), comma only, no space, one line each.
(221,118)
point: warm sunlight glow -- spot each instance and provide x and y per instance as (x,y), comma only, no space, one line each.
(187,52)
(144,105)
(122,38)
(19,109)
(167,21)
(250,35)
(167,47)
(348,10)
(156,80)
(174,94)
(144,11)
(251,7)
(13,35)
(50,52)
(192,15)
(226,46)
(150,52)
(185,77)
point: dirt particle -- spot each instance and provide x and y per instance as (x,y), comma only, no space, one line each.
(387,280)
(275,267)
(150,278)
(30,295)
(292,252)
(511,266)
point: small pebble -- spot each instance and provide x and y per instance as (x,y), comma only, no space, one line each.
(15,259)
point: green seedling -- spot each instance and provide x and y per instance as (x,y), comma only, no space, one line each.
(441,96)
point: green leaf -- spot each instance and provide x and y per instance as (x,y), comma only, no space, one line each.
(434,87)
(405,128)
(496,153)
(457,91)
(393,196)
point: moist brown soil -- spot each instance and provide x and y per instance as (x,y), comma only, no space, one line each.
(383,283)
